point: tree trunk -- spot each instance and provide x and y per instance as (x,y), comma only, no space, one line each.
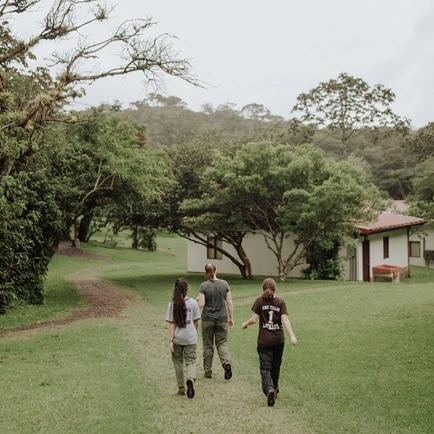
(246,267)
(84,226)
(135,236)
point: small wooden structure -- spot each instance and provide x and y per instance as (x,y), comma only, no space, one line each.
(384,271)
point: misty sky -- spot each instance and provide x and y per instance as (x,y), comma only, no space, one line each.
(269,52)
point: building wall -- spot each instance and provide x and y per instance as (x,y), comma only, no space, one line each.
(398,251)
(263,261)
(426,239)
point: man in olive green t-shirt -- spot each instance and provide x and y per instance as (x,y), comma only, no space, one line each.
(215,298)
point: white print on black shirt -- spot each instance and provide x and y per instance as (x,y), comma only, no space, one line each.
(270,325)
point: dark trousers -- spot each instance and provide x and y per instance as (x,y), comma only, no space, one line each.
(270,359)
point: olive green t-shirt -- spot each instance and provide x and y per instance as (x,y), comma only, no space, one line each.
(215,292)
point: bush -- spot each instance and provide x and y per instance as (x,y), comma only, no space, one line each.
(147,239)
(29,233)
(324,262)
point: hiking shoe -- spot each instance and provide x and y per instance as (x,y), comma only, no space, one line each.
(181,391)
(271,398)
(228,371)
(208,374)
(190,389)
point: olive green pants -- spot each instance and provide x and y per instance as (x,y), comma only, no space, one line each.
(184,355)
(215,331)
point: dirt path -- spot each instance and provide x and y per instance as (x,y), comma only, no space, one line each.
(104,299)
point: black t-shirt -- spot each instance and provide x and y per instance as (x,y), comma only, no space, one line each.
(270,320)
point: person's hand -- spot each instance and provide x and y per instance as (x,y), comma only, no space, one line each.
(231,323)
(244,325)
(294,341)
(172,350)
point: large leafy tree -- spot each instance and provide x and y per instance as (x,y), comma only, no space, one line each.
(33,93)
(179,210)
(105,162)
(285,193)
(347,105)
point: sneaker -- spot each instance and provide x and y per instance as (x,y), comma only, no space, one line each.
(271,398)
(208,374)
(181,391)
(228,371)
(190,389)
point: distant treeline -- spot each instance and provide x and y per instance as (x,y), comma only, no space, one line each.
(387,155)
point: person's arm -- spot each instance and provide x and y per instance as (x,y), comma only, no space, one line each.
(201,300)
(230,307)
(287,324)
(171,335)
(196,323)
(252,320)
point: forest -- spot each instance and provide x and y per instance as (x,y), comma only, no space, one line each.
(338,157)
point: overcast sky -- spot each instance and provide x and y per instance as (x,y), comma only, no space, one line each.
(269,52)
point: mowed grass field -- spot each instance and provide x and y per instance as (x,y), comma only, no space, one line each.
(364,362)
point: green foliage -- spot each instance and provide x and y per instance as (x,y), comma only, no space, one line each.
(50,176)
(147,239)
(323,263)
(29,228)
(104,162)
(422,143)
(422,203)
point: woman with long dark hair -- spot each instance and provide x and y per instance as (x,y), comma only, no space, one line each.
(273,317)
(183,316)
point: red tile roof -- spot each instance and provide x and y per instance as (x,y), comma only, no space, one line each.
(387,221)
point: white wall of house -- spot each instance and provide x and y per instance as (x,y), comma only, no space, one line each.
(263,261)
(426,240)
(398,251)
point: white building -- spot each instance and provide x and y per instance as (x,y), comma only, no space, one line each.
(422,246)
(383,242)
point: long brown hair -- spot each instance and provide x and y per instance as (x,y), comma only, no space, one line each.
(269,287)
(179,307)
(210,270)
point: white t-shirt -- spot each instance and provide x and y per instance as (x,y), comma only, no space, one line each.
(188,334)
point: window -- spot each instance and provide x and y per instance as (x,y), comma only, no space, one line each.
(385,247)
(212,253)
(415,249)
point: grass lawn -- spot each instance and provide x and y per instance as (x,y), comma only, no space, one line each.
(363,363)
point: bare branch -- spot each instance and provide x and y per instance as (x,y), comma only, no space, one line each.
(9,7)
(58,23)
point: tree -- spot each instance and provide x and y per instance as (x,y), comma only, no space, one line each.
(346,105)
(422,202)
(422,143)
(178,210)
(284,193)
(105,162)
(32,97)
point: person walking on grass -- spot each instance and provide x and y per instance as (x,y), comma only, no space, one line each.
(273,316)
(215,297)
(183,316)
